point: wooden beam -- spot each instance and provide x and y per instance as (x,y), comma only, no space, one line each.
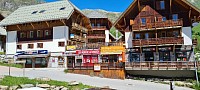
(139,5)
(32,25)
(170,6)
(47,23)
(190,11)
(19,27)
(77,17)
(63,21)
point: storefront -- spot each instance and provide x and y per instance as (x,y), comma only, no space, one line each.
(149,53)
(89,56)
(71,55)
(113,54)
(34,58)
(164,53)
(133,54)
(183,53)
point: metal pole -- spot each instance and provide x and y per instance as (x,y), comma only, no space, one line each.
(196,72)
(9,70)
(23,69)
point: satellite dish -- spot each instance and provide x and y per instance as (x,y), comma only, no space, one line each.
(195,24)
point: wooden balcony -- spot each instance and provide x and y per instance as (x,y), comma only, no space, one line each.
(79,27)
(96,36)
(98,45)
(158,41)
(157,25)
(164,65)
(99,28)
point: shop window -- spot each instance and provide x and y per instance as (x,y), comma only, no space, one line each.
(175,17)
(28,61)
(61,44)
(39,45)
(30,46)
(19,46)
(79,60)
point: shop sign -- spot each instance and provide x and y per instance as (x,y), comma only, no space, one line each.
(97,67)
(71,47)
(184,48)
(33,52)
(70,53)
(90,59)
(112,50)
(134,50)
(148,49)
(87,51)
(165,49)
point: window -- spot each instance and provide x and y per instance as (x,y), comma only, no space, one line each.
(38,33)
(61,44)
(42,11)
(162,5)
(146,35)
(63,8)
(175,17)
(39,45)
(143,20)
(164,19)
(46,32)
(31,34)
(30,46)
(22,35)
(92,24)
(34,12)
(19,46)
(98,25)
(175,33)
(137,36)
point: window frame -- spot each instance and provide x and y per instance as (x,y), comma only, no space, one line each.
(61,44)
(145,21)
(174,15)
(161,5)
(40,45)
(30,46)
(20,46)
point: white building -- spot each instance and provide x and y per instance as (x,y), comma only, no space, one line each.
(40,33)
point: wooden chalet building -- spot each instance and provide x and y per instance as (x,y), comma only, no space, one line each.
(158,36)
(40,33)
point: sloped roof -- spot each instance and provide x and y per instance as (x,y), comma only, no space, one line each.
(40,12)
(96,14)
(2,31)
(135,1)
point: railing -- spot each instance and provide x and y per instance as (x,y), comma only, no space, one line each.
(90,66)
(162,65)
(97,36)
(99,28)
(98,45)
(158,41)
(79,27)
(154,25)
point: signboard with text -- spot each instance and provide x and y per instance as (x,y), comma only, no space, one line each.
(87,52)
(112,50)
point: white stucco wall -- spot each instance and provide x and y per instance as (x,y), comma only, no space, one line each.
(107,32)
(60,34)
(128,39)
(187,35)
(11,43)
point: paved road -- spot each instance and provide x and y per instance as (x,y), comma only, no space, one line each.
(58,74)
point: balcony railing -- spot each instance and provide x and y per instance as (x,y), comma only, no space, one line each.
(158,41)
(98,45)
(164,65)
(90,66)
(79,27)
(96,36)
(99,28)
(157,25)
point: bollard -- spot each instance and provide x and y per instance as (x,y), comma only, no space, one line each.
(171,85)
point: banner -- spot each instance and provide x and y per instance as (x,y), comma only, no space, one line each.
(71,47)
(112,50)
(88,52)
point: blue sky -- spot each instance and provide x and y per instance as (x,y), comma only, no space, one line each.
(108,5)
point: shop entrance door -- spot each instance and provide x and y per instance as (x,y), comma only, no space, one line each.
(149,56)
(70,61)
(164,56)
